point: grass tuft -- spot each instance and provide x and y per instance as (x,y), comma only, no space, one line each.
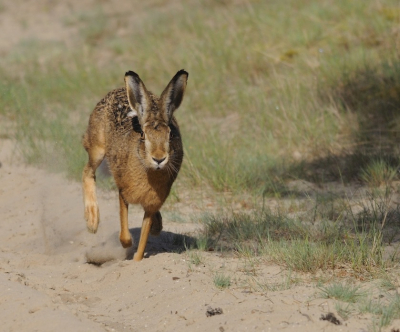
(344,292)
(222,281)
(377,173)
(195,258)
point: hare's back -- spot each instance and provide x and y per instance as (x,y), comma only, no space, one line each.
(118,113)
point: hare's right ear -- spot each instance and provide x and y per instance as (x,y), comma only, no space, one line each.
(138,98)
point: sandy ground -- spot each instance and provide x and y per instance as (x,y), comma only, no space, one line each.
(46,282)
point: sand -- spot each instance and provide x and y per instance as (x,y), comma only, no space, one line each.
(46,281)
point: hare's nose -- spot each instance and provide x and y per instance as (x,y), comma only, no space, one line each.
(158,161)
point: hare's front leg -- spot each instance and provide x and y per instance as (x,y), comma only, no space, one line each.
(124,236)
(92,216)
(144,235)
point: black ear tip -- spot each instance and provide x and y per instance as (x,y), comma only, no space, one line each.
(131,73)
(183,72)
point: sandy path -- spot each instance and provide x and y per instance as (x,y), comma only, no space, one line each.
(46,283)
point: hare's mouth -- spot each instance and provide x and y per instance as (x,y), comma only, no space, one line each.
(158,167)
(159,163)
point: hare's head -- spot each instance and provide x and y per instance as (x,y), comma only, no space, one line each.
(156,144)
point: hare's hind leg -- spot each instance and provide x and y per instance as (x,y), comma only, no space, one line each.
(92,216)
(124,236)
(144,235)
(156,226)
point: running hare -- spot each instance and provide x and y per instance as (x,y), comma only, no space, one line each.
(139,135)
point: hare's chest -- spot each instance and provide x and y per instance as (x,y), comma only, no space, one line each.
(150,193)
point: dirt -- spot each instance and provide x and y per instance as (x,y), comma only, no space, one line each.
(54,274)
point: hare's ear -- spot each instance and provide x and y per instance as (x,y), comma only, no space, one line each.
(172,96)
(138,98)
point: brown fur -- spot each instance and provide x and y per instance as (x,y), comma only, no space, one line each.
(144,152)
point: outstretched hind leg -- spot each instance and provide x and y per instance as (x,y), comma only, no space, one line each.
(156,226)
(92,216)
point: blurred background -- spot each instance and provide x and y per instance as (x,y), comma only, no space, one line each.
(278,90)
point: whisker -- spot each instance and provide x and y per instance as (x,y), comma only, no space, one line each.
(169,171)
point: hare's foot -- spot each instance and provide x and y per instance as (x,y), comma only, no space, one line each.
(156,226)
(92,217)
(125,239)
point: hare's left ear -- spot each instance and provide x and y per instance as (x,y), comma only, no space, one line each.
(172,96)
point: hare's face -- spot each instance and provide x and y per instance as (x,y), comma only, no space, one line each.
(154,145)
(155,115)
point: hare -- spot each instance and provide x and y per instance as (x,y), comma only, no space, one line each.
(139,135)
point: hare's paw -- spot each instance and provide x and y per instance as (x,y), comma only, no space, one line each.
(137,257)
(92,217)
(126,240)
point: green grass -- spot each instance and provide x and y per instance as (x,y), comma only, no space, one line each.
(386,313)
(49,124)
(195,258)
(222,281)
(350,300)
(344,292)
(203,243)
(377,173)
(344,310)
(324,235)
(270,98)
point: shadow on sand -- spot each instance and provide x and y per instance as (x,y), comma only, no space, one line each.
(165,242)
(111,249)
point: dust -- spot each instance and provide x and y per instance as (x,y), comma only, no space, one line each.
(105,252)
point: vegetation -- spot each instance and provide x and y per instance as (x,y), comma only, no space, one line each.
(383,306)
(313,238)
(341,291)
(270,97)
(222,281)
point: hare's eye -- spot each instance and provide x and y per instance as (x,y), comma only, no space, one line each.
(142,137)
